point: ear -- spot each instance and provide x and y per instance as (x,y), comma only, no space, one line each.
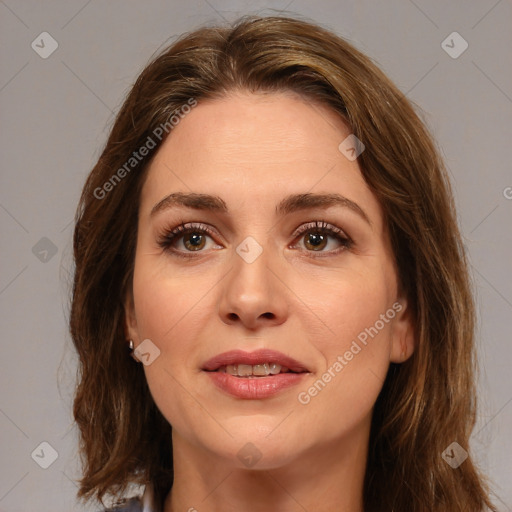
(404,338)
(131,330)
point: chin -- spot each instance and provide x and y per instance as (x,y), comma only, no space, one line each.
(257,447)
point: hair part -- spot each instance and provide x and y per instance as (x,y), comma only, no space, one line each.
(426,403)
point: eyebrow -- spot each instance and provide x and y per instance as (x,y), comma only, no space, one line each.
(289,204)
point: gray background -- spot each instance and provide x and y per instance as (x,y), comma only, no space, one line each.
(56,113)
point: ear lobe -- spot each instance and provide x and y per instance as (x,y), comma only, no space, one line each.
(130,325)
(403,342)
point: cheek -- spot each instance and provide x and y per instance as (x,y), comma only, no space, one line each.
(345,308)
(362,320)
(359,318)
(170,312)
(168,304)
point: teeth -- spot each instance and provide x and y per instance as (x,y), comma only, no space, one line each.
(244,370)
(259,370)
(277,368)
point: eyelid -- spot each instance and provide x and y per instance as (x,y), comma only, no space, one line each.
(171,234)
(320,225)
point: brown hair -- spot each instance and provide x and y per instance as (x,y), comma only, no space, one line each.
(426,403)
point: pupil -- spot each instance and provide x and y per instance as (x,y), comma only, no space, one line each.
(195,240)
(315,239)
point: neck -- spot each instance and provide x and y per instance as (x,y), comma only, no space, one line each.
(323,478)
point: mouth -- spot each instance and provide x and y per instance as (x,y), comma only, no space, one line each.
(260,363)
(254,375)
(255,371)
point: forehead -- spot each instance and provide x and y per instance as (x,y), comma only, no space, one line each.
(244,124)
(257,146)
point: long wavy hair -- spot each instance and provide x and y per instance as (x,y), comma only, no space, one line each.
(425,404)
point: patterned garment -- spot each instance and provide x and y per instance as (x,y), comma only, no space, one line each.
(143,504)
(134,505)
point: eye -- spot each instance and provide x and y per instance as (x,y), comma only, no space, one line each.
(192,236)
(317,234)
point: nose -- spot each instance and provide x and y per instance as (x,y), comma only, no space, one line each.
(253,293)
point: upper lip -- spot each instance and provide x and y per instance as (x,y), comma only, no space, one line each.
(260,356)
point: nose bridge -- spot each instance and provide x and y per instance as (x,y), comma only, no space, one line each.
(252,260)
(252,292)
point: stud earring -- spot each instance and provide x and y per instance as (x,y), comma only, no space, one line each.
(132,353)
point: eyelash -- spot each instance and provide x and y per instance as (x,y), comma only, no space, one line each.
(166,239)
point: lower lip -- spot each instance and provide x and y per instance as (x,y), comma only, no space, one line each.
(255,388)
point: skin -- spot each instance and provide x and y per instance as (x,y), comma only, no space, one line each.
(252,150)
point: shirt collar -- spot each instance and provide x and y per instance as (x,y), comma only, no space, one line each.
(148,500)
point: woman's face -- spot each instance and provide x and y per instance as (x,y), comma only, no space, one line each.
(285,249)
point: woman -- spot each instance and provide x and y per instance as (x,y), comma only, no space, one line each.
(270,234)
